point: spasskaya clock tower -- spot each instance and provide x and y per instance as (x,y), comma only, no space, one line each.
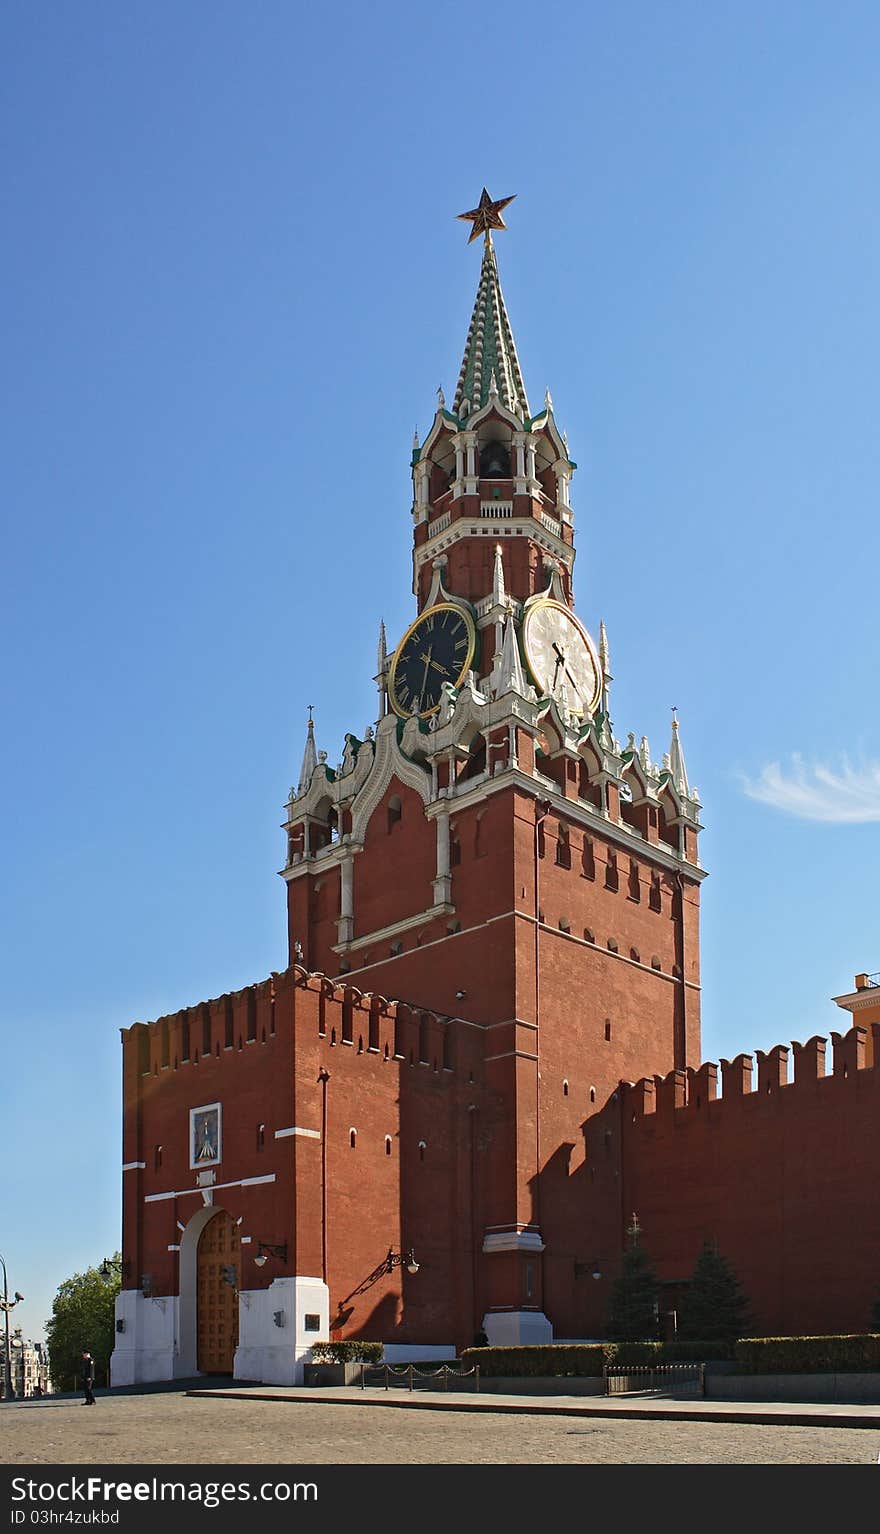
(435,1121)
(490,850)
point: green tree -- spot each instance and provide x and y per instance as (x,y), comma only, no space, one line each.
(82,1317)
(632,1306)
(714,1307)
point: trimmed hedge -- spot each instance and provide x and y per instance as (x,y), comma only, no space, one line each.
(856,1354)
(347,1352)
(670,1352)
(585,1360)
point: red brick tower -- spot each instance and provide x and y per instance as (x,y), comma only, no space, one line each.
(490,851)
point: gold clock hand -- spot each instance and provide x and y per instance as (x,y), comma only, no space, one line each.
(426,657)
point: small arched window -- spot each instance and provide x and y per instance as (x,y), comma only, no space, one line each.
(352,1138)
(563,848)
(422,1148)
(261,1137)
(395,811)
(388,1145)
(565,1088)
(588,861)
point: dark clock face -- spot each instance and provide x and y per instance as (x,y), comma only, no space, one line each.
(438,648)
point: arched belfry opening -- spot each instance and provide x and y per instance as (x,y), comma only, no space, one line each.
(495,460)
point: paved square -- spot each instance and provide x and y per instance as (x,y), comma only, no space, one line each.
(168,1428)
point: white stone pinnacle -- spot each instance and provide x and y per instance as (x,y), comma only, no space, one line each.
(499,595)
(604,653)
(510,672)
(310,759)
(676,761)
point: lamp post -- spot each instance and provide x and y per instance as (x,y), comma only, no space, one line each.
(266,1249)
(7,1304)
(401,1259)
(110,1266)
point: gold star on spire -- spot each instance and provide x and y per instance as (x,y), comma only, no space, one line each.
(487,216)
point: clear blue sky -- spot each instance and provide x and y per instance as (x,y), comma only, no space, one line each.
(232,282)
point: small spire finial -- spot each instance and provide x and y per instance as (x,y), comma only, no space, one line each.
(486,216)
(604,657)
(441,398)
(310,755)
(548,399)
(510,673)
(676,759)
(499,594)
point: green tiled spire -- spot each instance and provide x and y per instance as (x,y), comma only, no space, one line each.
(490,348)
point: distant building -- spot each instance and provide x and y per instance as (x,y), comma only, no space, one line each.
(864,1000)
(29,1366)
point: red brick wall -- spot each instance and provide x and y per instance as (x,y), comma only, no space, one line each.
(780,1176)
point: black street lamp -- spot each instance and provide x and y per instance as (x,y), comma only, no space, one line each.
(110,1266)
(400,1260)
(6,1304)
(266,1249)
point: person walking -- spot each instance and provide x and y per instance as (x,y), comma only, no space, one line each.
(88,1365)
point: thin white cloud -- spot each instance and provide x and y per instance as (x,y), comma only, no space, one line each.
(846,796)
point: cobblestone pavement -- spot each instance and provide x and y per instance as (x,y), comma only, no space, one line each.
(170,1428)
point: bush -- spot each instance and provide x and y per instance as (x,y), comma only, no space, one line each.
(347,1352)
(586,1360)
(583,1360)
(809,1355)
(684,1350)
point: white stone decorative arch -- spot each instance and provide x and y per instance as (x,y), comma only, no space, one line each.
(389,762)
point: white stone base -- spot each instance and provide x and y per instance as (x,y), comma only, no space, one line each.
(516,1328)
(146,1347)
(274,1351)
(151,1347)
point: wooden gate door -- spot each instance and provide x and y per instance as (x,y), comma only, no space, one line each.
(219,1252)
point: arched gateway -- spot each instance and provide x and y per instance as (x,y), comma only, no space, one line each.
(218,1261)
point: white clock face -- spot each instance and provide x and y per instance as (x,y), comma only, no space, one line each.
(561,657)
